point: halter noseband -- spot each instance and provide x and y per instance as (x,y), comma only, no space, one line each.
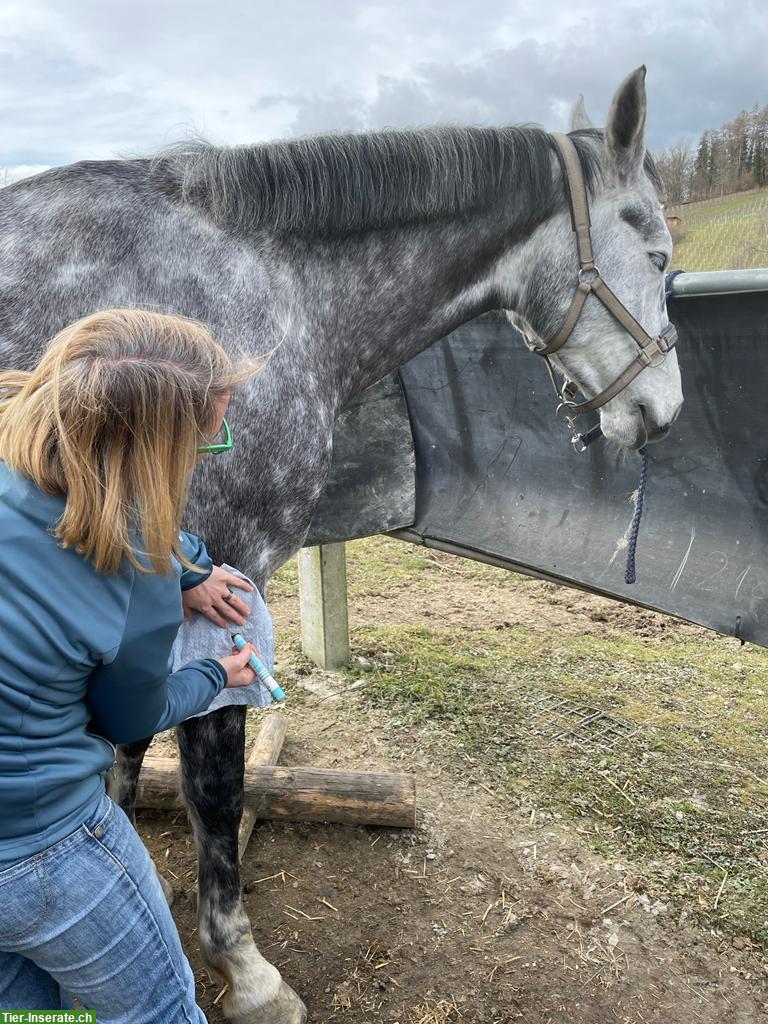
(652,351)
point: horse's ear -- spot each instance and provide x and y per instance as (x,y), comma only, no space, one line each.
(625,130)
(579,116)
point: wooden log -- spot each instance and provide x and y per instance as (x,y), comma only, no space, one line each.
(265,750)
(300,794)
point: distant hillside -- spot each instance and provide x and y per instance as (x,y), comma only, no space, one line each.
(728,159)
(730,233)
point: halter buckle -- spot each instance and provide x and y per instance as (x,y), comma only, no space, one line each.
(657,349)
(667,338)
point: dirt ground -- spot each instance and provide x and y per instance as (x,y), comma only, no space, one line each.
(486,913)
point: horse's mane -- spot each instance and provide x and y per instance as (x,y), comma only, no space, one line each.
(333,184)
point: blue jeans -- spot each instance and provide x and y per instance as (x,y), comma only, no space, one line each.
(87,916)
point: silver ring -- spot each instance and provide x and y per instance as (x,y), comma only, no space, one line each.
(563,412)
(227,597)
(588,275)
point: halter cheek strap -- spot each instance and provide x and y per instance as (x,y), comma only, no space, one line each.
(651,351)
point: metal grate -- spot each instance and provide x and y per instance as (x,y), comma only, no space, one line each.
(560,718)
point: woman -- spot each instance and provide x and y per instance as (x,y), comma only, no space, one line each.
(97,448)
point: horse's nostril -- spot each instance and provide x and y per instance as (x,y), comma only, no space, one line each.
(653,431)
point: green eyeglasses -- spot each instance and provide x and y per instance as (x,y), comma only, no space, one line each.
(221,446)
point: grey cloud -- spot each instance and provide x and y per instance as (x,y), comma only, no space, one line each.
(96,79)
(701,72)
(57,109)
(342,111)
(277,100)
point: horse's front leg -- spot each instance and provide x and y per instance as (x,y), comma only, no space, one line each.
(121,786)
(212,764)
(122,780)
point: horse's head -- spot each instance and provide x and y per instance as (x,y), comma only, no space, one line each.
(632,248)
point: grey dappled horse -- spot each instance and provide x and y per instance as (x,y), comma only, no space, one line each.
(343,256)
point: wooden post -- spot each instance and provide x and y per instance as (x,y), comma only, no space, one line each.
(265,750)
(300,794)
(323,599)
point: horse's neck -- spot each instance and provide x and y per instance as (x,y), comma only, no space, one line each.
(368,304)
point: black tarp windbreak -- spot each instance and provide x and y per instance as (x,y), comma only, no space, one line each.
(497,479)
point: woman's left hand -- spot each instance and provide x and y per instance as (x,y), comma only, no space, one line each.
(215,601)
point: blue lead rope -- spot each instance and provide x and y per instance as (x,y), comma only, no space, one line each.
(630,575)
(586,439)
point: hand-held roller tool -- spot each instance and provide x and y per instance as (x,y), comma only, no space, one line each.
(260,669)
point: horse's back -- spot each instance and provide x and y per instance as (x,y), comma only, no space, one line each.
(100,234)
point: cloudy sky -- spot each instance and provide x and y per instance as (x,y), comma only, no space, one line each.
(85,79)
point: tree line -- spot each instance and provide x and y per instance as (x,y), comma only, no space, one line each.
(732,158)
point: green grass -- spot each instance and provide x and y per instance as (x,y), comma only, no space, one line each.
(723,234)
(685,799)
(376,566)
(685,796)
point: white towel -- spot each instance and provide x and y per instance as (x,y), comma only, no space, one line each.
(200,638)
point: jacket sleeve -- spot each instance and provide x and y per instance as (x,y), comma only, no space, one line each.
(130,693)
(194,551)
(127,705)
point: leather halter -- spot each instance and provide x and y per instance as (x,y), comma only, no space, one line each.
(652,351)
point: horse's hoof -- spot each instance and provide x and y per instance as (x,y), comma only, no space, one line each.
(285,1008)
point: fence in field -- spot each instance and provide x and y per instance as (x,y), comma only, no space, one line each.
(727,233)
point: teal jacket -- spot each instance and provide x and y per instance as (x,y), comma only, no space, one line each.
(84,664)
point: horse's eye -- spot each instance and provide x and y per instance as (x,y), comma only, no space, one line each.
(658,259)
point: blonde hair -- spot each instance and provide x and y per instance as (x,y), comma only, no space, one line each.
(111,418)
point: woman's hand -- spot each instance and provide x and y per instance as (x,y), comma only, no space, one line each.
(239,672)
(213,599)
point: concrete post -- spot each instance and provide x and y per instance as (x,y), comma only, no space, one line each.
(323,600)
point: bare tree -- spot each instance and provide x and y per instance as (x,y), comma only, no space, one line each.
(675,165)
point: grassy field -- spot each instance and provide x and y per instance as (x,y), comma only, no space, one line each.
(682,796)
(723,234)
